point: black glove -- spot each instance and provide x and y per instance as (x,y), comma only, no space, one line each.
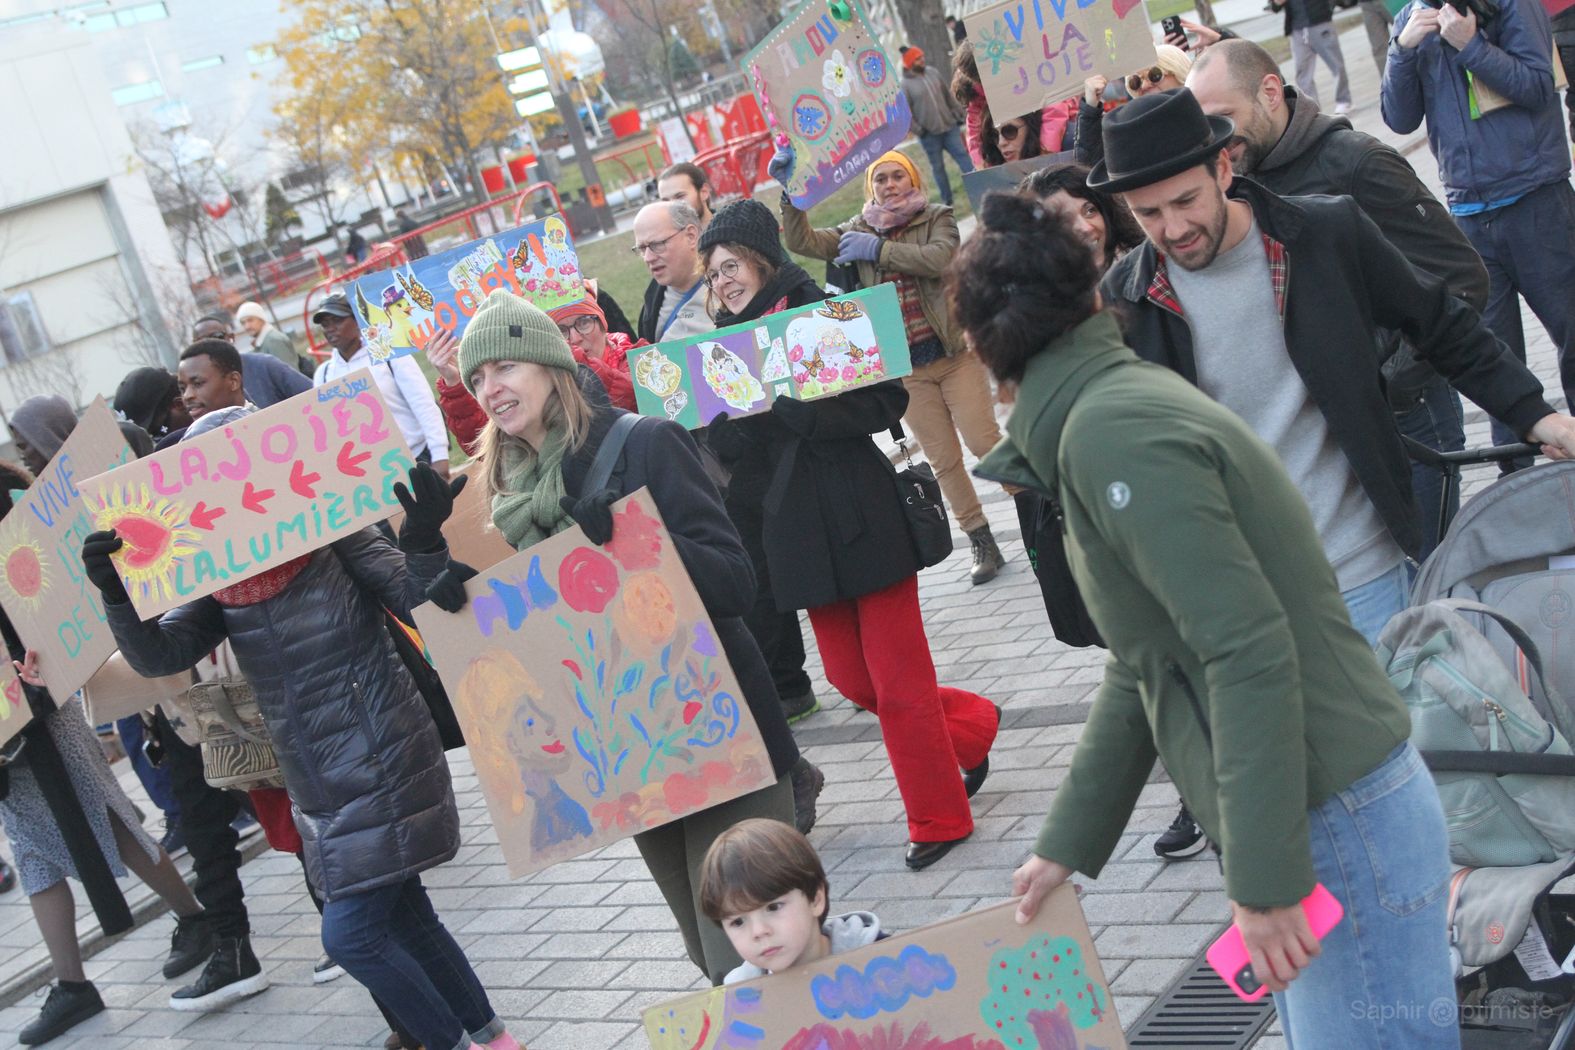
(592,513)
(724,437)
(797,416)
(428,502)
(96,549)
(447,592)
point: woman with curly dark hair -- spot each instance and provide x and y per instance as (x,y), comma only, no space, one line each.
(1094,216)
(1055,130)
(1015,139)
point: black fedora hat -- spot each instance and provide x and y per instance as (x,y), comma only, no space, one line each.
(1154,137)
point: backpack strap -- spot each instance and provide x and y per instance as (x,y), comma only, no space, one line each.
(611,448)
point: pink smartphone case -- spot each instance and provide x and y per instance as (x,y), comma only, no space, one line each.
(1228,955)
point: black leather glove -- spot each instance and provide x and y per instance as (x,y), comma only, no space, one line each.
(797,416)
(428,502)
(96,549)
(447,592)
(592,513)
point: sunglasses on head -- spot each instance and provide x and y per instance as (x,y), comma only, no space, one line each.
(1008,132)
(1153,76)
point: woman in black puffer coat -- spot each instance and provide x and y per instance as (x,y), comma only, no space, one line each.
(359,751)
(834,537)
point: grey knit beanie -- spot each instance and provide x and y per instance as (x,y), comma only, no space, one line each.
(508,328)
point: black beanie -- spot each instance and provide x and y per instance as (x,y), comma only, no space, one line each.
(749,223)
(143,393)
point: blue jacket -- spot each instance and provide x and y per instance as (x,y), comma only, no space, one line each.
(1506,153)
(268,380)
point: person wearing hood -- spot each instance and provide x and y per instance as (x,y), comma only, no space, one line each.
(150,397)
(901,237)
(810,483)
(39,426)
(361,757)
(765,885)
(1285,143)
(268,339)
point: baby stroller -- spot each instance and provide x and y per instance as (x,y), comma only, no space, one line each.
(1511,550)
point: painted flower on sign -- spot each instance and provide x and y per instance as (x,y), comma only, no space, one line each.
(838,78)
(588,580)
(997,48)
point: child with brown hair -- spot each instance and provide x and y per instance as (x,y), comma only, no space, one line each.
(763,883)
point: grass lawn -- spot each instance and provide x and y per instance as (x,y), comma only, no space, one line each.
(624,276)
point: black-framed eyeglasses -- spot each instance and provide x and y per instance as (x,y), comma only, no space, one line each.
(1135,82)
(583,325)
(1008,132)
(728,269)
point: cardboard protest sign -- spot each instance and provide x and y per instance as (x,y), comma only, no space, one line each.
(400,309)
(813,351)
(1035,52)
(1006,177)
(469,532)
(824,81)
(14,711)
(277,484)
(51,603)
(117,691)
(975,982)
(593,692)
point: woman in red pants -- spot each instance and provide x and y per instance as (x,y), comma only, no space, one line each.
(837,543)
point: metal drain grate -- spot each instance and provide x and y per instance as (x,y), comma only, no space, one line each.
(1199,1010)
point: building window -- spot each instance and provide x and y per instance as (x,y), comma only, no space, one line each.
(128,16)
(131,94)
(202,63)
(260,54)
(22,332)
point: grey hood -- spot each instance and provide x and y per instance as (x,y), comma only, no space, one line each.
(1307,126)
(44,421)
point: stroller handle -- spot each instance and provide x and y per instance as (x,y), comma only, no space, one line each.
(1469,456)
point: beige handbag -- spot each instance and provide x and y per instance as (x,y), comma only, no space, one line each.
(237,751)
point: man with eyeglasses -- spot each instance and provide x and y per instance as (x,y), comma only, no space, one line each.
(667,240)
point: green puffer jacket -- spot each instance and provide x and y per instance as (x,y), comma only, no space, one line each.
(922,249)
(1232,657)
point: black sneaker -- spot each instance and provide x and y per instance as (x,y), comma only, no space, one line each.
(174,840)
(66,1007)
(326,970)
(808,781)
(1182,839)
(797,708)
(7,877)
(190,945)
(230,976)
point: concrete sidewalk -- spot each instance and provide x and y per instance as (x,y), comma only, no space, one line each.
(571,955)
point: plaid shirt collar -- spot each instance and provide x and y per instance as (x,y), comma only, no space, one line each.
(1163,294)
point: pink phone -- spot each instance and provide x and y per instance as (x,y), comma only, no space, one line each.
(1228,955)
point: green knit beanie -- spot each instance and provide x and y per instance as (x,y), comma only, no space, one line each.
(507,328)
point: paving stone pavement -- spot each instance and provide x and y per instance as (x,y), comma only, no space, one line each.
(571,955)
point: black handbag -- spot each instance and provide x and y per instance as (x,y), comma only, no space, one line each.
(922,504)
(1044,534)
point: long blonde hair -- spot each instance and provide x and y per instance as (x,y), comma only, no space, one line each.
(566,408)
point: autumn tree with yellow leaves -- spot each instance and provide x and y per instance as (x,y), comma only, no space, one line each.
(369,80)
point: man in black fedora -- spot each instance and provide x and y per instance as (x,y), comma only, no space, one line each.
(1271,305)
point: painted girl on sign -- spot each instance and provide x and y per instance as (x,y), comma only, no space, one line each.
(519,748)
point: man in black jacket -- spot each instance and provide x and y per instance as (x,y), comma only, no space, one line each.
(1285,143)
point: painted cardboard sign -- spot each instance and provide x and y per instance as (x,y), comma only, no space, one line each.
(975,982)
(14,711)
(207,513)
(1007,177)
(825,83)
(1035,52)
(51,603)
(594,694)
(813,351)
(400,309)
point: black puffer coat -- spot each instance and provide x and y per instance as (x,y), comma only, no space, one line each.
(359,751)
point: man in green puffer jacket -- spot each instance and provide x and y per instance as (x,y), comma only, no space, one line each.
(1232,656)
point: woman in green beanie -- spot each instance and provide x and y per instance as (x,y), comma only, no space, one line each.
(536,450)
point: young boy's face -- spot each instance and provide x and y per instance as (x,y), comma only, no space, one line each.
(780,933)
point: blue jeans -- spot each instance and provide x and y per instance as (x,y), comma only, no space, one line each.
(1373,603)
(392,941)
(1529,250)
(1384,980)
(155,779)
(951,142)
(1437,422)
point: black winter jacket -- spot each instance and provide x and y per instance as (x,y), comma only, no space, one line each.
(1320,154)
(1300,14)
(1344,281)
(360,754)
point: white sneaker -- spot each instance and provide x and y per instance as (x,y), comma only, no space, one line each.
(1341,108)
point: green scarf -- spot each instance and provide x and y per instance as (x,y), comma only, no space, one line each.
(527,511)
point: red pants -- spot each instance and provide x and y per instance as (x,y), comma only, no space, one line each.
(876,654)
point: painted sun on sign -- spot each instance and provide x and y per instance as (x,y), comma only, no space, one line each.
(24,573)
(156,532)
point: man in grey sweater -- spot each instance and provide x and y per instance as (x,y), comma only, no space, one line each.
(937,117)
